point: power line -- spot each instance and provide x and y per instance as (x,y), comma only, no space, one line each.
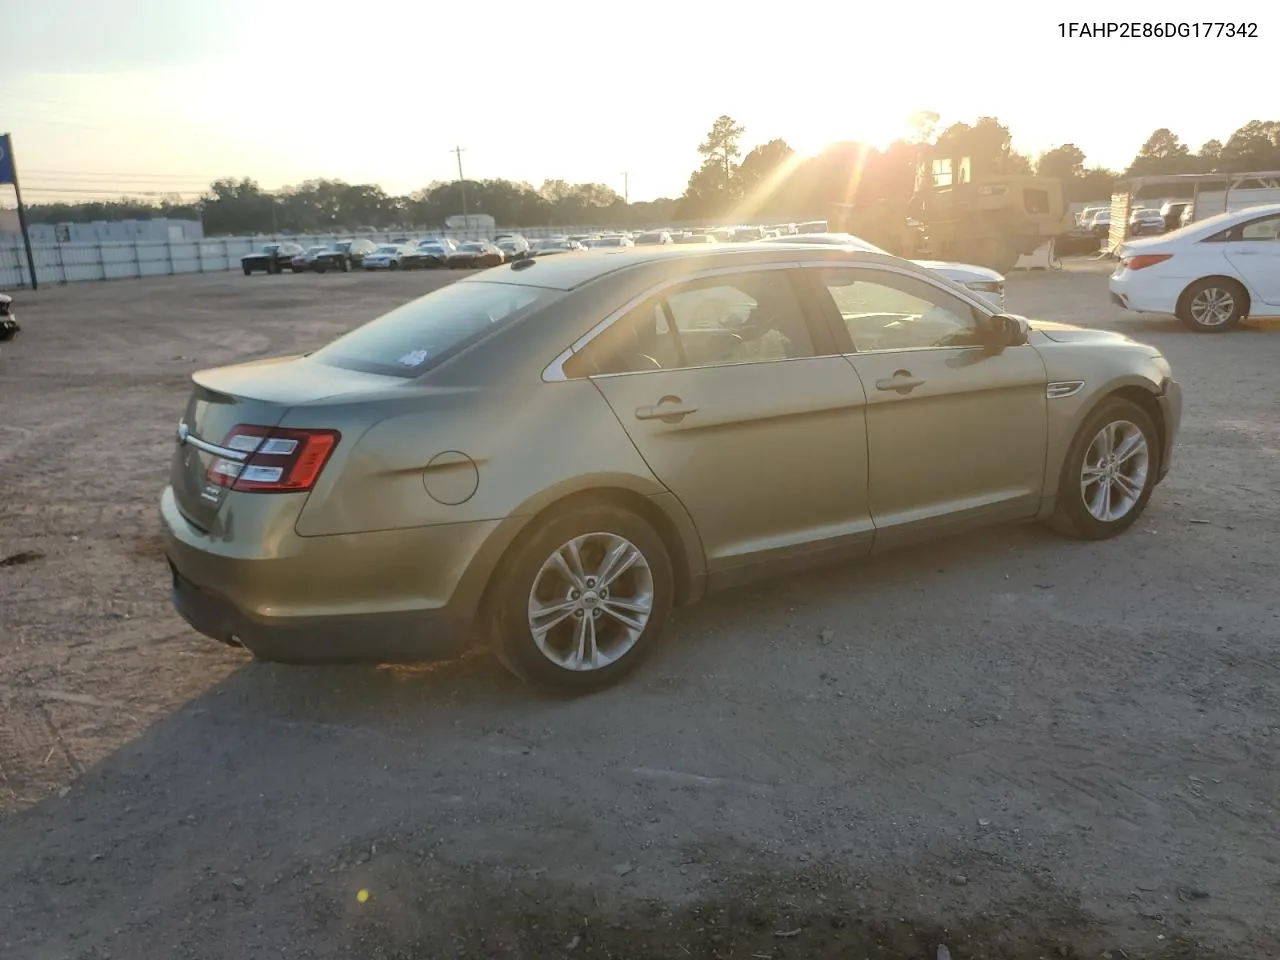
(92,177)
(83,191)
(59,121)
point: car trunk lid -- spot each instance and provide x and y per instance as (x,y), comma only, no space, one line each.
(260,393)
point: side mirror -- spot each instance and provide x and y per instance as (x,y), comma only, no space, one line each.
(1009,330)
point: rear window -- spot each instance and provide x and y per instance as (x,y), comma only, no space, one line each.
(413,338)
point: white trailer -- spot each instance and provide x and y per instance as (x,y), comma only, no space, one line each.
(1208,194)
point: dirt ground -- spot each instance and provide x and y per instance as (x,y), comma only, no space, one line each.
(1009,745)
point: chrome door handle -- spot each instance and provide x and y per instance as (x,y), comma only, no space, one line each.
(669,409)
(900,382)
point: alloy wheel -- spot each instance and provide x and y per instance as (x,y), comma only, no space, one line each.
(591,601)
(1114,473)
(1212,307)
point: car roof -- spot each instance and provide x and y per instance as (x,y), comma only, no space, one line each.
(571,272)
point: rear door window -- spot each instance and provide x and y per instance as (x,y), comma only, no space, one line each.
(413,338)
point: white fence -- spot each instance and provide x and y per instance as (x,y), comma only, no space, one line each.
(73,262)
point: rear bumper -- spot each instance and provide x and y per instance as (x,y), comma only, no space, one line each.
(393,595)
(1151,294)
(386,637)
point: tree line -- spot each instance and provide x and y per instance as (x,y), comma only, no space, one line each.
(769,182)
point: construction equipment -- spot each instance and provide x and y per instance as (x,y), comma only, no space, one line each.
(990,219)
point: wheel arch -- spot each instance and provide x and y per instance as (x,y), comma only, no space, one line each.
(1234,281)
(1135,389)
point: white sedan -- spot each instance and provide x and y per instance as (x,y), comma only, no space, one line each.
(983,283)
(1210,274)
(387,256)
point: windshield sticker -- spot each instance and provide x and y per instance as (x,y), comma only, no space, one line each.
(414,358)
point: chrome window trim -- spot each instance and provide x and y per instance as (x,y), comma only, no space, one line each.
(554,371)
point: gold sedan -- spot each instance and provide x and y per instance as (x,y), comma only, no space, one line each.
(551,455)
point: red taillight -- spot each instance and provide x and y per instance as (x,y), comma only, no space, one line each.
(277,461)
(1146,260)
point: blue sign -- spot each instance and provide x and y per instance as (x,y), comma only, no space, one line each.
(8,173)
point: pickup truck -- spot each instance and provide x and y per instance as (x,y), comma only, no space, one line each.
(272,258)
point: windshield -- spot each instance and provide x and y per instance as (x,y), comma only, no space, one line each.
(343,246)
(271,248)
(389,248)
(415,337)
(472,247)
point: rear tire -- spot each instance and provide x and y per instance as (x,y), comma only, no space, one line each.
(393,265)
(247,270)
(587,609)
(1109,472)
(1213,305)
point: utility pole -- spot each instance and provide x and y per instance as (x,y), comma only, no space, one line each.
(626,188)
(462,185)
(9,174)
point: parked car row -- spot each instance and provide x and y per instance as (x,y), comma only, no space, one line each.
(279,257)
(1143,221)
(406,254)
(444,252)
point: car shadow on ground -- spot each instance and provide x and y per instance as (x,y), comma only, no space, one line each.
(697,637)
(482,813)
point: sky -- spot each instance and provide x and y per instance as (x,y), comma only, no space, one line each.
(111,96)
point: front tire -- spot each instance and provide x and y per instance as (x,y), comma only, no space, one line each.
(1213,305)
(1109,472)
(584,600)
(247,269)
